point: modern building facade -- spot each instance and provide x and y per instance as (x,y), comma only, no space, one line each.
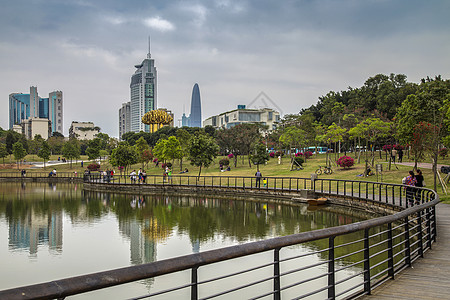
(195,117)
(265,116)
(25,106)
(143,93)
(83,130)
(124,119)
(34,126)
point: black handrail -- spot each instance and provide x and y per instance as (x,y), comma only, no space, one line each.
(415,231)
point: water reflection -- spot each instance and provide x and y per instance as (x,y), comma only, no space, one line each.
(108,230)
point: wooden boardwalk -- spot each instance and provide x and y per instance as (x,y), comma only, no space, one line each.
(429,278)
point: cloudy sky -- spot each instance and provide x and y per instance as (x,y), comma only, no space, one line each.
(293,51)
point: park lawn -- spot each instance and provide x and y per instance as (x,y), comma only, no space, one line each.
(271,169)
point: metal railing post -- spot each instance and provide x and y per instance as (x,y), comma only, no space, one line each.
(276,275)
(428,217)
(420,237)
(367,286)
(407,244)
(391,272)
(194,286)
(331,271)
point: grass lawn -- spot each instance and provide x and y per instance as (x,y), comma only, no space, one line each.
(272,168)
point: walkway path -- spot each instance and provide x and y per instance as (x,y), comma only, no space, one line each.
(429,276)
(420,165)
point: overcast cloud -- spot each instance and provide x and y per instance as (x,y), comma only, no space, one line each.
(294,51)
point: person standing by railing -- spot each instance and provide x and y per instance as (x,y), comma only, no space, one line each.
(420,183)
(411,182)
(258,176)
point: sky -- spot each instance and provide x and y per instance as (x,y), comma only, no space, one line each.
(293,51)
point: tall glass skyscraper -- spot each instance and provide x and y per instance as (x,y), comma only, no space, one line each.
(143,93)
(195,117)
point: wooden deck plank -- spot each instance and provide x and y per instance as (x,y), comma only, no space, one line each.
(429,278)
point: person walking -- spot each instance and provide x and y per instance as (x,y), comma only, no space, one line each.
(258,176)
(393,154)
(400,155)
(411,182)
(419,183)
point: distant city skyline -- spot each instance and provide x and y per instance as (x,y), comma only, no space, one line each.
(296,51)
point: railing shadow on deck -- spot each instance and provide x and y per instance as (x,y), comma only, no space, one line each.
(356,257)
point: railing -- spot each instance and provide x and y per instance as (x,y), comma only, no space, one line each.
(393,194)
(48,174)
(351,259)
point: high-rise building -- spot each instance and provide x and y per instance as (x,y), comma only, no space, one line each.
(25,106)
(55,111)
(143,93)
(195,117)
(124,119)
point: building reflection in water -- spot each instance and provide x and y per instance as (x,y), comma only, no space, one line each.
(36,227)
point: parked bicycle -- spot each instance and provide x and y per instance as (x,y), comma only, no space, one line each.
(325,170)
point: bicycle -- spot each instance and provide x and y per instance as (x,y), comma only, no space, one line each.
(325,170)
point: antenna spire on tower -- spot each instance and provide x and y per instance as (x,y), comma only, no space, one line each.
(149,55)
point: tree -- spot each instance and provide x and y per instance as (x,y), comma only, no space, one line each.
(19,152)
(56,144)
(44,152)
(3,152)
(93,149)
(173,149)
(71,150)
(142,147)
(292,137)
(334,134)
(123,156)
(430,104)
(57,134)
(183,137)
(259,155)
(202,151)
(160,150)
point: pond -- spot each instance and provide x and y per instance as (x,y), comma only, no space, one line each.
(54,231)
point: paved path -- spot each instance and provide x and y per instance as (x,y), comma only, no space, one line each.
(429,278)
(421,165)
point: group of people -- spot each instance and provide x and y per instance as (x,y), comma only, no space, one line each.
(52,173)
(412,181)
(167,174)
(140,176)
(394,154)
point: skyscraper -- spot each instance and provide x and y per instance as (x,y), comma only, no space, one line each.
(195,118)
(143,92)
(124,119)
(25,106)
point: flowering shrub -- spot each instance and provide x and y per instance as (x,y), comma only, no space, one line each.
(387,148)
(279,153)
(298,154)
(224,162)
(120,168)
(345,162)
(93,167)
(155,160)
(272,154)
(443,152)
(230,156)
(308,154)
(399,147)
